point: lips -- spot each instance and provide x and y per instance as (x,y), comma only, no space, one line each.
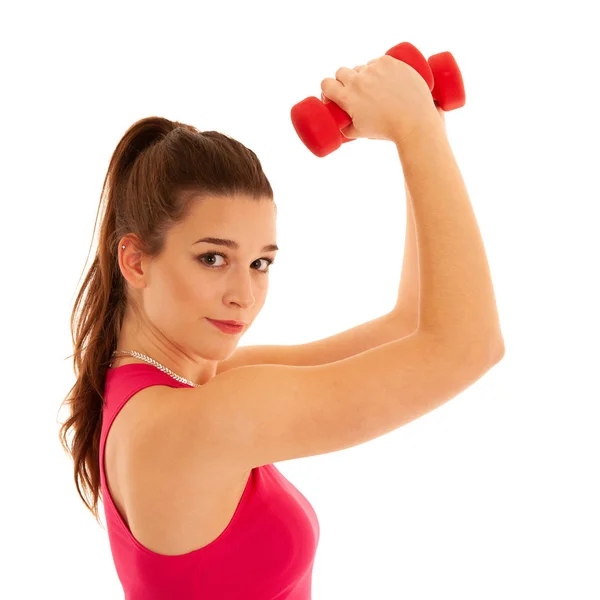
(225,327)
(233,323)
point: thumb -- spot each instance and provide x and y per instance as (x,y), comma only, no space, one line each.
(332,91)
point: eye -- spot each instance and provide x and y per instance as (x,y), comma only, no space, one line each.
(205,256)
(209,255)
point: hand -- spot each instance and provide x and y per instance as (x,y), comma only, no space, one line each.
(386,99)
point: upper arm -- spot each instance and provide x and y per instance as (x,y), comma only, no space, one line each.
(262,414)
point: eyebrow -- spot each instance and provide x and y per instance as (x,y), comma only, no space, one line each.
(233,245)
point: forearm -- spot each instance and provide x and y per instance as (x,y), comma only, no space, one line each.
(456,295)
(407,303)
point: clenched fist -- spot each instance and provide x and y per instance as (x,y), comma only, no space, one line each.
(386,99)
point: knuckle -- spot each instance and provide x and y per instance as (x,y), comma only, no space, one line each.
(341,71)
(388,61)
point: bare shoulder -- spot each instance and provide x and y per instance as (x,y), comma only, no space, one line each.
(165,448)
(260,414)
(175,494)
(169,438)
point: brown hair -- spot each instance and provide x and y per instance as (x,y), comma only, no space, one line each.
(156,171)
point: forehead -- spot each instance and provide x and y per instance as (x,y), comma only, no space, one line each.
(239,218)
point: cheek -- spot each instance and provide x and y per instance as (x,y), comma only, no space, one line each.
(197,294)
(183,285)
(174,296)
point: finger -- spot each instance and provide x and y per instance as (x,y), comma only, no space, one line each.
(360,68)
(332,89)
(349,132)
(344,75)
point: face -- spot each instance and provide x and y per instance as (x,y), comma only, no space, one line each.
(192,281)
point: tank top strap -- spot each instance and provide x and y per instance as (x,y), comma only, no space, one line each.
(125,381)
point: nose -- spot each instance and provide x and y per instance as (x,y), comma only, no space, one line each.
(241,290)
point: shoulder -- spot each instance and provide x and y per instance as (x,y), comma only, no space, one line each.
(164,479)
(172,430)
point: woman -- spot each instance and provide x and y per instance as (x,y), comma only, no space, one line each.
(179,440)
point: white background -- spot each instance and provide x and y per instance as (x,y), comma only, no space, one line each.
(495,494)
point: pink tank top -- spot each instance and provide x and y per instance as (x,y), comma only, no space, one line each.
(266,552)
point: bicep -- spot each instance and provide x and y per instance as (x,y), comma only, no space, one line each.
(262,414)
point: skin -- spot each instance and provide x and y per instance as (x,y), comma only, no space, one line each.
(178,290)
(360,68)
(442,114)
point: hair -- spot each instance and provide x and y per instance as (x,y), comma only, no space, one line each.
(157,171)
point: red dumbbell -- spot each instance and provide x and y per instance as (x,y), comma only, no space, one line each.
(318,124)
(448,90)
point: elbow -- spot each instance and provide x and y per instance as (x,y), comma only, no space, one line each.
(475,350)
(486,353)
(494,350)
(499,350)
(493,347)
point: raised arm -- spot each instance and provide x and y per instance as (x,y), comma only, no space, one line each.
(456,294)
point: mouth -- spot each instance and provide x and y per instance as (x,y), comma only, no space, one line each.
(232,323)
(227,327)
